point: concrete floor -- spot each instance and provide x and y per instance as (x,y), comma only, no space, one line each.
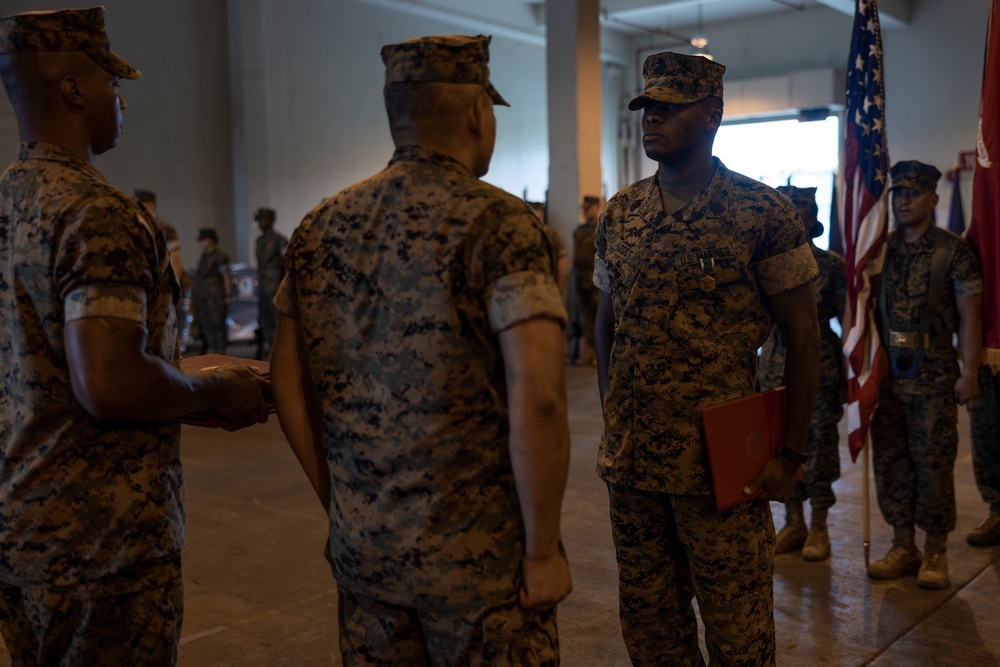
(258,591)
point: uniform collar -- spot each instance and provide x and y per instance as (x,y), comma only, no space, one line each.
(712,202)
(924,244)
(429,156)
(35,150)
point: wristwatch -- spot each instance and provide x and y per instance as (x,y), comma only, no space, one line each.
(792,455)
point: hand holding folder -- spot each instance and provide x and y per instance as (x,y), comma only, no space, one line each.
(207,362)
(741,436)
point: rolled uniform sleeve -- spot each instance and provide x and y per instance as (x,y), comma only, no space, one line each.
(787,271)
(519,266)
(784,260)
(102,264)
(965,272)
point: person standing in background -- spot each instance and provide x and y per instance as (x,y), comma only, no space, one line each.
(212,292)
(270,270)
(822,445)
(931,289)
(583,277)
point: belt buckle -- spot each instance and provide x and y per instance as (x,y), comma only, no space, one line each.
(903,339)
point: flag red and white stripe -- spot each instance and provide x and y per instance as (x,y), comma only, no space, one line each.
(865,212)
(984,230)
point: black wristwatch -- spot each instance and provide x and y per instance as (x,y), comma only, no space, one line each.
(792,455)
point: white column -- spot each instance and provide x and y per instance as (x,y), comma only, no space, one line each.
(574,103)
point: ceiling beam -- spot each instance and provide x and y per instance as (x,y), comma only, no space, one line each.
(891,13)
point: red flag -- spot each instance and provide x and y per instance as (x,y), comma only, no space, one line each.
(984,230)
(865,210)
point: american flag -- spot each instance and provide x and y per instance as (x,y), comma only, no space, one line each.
(865,209)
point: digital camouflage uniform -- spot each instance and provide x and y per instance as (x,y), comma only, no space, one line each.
(688,291)
(88,508)
(984,421)
(270,270)
(91,511)
(209,296)
(823,467)
(914,431)
(402,284)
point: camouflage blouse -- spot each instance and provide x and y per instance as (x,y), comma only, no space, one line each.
(907,274)
(403,283)
(689,293)
(80,498)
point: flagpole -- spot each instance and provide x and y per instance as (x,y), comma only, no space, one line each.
(866,496)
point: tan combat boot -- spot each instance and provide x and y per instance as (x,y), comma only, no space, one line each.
(987,533)
(933,572)
(817,546)
(899,561)
(793,535)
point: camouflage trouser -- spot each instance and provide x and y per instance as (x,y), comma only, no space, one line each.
(914,444)
(375,633)
(984,418)
(823,448)
(672,548)
(210,311)
(132,617)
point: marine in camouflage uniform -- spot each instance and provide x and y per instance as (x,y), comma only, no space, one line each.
(984,422)
(404,296)
(914,431)
(211,293)
(91,489)
(688,268)
(583,275)
(270,270)
(823,467)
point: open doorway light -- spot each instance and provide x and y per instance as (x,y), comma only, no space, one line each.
(786,152)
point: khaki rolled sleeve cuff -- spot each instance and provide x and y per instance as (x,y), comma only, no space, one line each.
(601,279)
(964,288)
(518,297)
(127,302)
(787,270)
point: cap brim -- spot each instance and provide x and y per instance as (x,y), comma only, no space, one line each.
(495,96)
(668,95)
(115,64)
(909,185)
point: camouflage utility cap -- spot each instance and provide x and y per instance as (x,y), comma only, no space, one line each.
(801,197)
(804,198)
(914,176)
(146,196)
(264,213)
(64,30)
(677,78)
(441,59)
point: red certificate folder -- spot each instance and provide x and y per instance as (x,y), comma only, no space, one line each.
(742,435)
(207,362)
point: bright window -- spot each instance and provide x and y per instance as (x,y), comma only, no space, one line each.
(786,152)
